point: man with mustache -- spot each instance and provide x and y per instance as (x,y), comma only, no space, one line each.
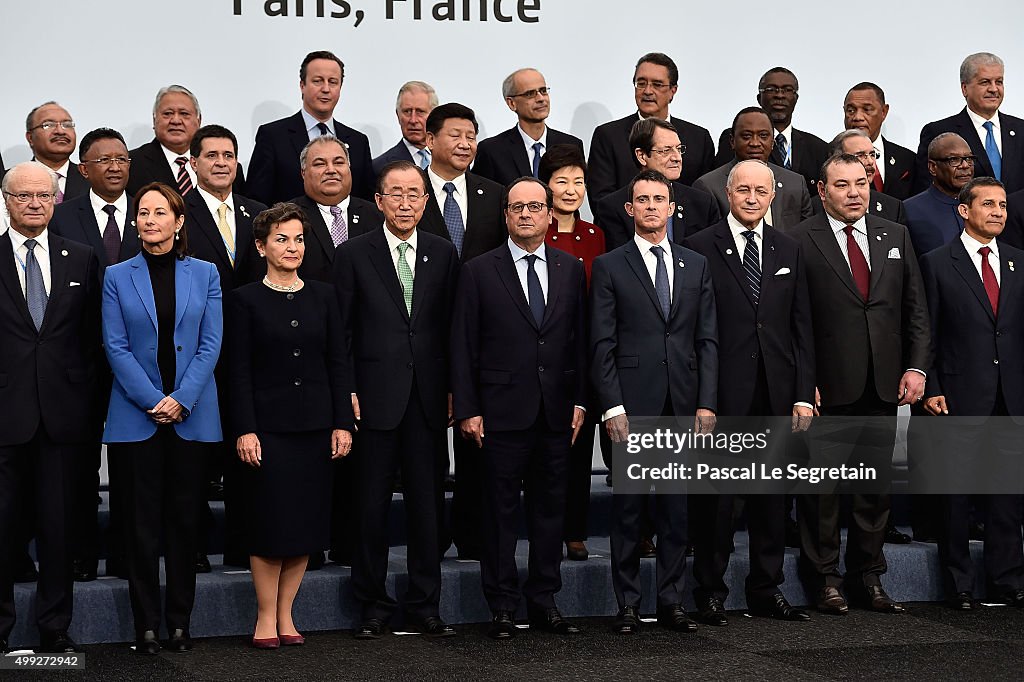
(50,132)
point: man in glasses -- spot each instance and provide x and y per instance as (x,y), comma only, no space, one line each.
(518,359)
(517,152)
(857,143)
(50,132)
(865,109)
(655,82)
(932,215)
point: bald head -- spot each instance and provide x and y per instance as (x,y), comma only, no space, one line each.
(750,189)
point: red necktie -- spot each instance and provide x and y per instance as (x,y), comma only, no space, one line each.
(988,278)
(877,181)
(858,265)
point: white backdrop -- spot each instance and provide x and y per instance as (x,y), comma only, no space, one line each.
(104,60)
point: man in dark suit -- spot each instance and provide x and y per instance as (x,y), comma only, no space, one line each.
(1013,234)
(656,146)
(50,132)
(991,134)
(974,297)
(857,143)
(416,100)
(766,352)
(871,350)
(49,330)
(517,152)
(933,217)
(105,166)
(467,210)
(165,158)
(753,138)
(654,341)
(518,384)
(655,82)
(396,286)
(274,167)
(332,213)
(795,150)
(865,109)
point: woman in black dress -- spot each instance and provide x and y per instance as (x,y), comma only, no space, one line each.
(292,415)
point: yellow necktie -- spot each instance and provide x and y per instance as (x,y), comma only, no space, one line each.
(225,232)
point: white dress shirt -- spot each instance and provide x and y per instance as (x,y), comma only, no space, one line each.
(972,245)
(979,122)
(172,162)
(62,176)
(739,230)
(879,145)
(528,142)
(120,212)
(437,188)
(213,203)
(414,151)
(540,266)
(41,252)
(410,253)
(860,235)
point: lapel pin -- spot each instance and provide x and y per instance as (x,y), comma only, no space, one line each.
(346,145)
(578,237)
(244,212)
(681,264)
(892,160)
(728,252)
(133,223)
(426,258)
(878,206)
(1010,265)
(780,184)
(771,246)
(64,252)
(554,237)
(355,219)
(479,191)
(878,238)
(1012,133)
(591,230)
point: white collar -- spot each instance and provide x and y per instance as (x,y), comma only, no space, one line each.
(18,239)
(518,252)
(312,122)
(98,202)
(213,203)
(972,245)
(645,246)
(738,228)
(394,242)
(838,225)
(979,121)
(529,141)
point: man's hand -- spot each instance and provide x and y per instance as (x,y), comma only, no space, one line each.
(473,429)
(704,421)
(341,442)
(578,416)
(617,428)
(248,447)
(355,409)
(911,388)
(937,405)
(802,418)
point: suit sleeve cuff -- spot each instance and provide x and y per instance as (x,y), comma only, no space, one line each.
(580,407)
(801,404)
(919,371)
(613,412)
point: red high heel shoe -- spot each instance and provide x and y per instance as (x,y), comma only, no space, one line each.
(292,640)
(266,643)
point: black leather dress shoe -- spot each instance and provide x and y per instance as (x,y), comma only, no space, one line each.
(147,644)
(831,601)
(315,562)
(550,620)
(879,601)
(502,626)
(627,622)
(894,536)
(431,626)
(202,563)
(962,601)
(116,568)
(83,570)
(674,618)
(779,608)
(179,641)
(3,647)
(648,549)
(338,557)
(1015,598)
(576,551)
(56,643)
(713,613)
(371,628)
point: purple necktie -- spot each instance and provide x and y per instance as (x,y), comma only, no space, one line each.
(111,236)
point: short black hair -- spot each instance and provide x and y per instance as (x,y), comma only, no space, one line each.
(280,212)
(195,148)
(320,54)
(443,112)
(660,59)
(641,135)
(649,175)
(399,165)
(548,196)
(868,85)
(968,191)
(561,156)
(749,110)
(779,69)
(94,136)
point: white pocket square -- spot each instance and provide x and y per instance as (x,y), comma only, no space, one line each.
(75,284)
(782,271)
(894,253)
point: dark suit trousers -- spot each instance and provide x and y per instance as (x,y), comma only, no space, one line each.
(343,508)
(537,461)
(577,500)
(44,470)
(467,503)
(413,448)
(818,515)
(163,480)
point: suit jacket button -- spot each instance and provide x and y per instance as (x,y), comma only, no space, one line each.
(409,366)
(179,349)
(295,323)
(290,296)
(541,368)
(753,356)
(298,382)
(297,352)
(540,341)
(760,325)
(664,362)
(412,334)
(996,361)
(668,334)
(999,333)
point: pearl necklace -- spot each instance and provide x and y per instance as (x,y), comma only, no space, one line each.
(278,287)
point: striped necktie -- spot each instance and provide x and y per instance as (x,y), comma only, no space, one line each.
(183,179)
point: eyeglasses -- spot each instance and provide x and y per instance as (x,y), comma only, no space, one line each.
(642,84)
(665,151)
(955,161)
(775,89)
(411,197)
(530,94)
(26,197)
(531,206)
(110,161)
(50,125)
(867,155)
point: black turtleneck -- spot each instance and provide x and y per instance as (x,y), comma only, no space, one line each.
(161,274)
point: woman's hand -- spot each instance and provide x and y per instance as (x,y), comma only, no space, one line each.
(248,446)
(341,443)
(167,411)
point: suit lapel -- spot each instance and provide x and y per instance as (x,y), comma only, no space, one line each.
(636,261)
(297,133)
(203,220)
(380,256)
(144,287)
(9,276)
(58,277)
(422,275)
(517,151)
(974,141)
(91,230)
(769,259)
(963,263)
(243,232)
(726,245)
(510,278)
(878,247)
(1008,137)
(556,282)
(320,230)
(1009,288)
(182,288)
(825,240)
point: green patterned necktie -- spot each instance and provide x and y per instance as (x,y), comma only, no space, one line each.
(405,276)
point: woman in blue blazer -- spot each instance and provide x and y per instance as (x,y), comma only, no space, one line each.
(162,329)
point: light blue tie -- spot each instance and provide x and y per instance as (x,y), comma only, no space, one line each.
(35,291)
(424,155)
(453,218)
(661,281)
(992,150)
(537,149)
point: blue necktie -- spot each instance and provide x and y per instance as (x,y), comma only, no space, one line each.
(661,280)
(533,290)
(537,148)
(35,291)
(992,150)
(750,264)
(668,228)
(780,143)
(453,218)
(424,155)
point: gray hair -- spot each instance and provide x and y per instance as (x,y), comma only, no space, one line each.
(732,171)
(938,140)
(973,62)
(508,85)
(176,88)
(418,86)
(323,139)
(28,119)
(25,165)
(837,142)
